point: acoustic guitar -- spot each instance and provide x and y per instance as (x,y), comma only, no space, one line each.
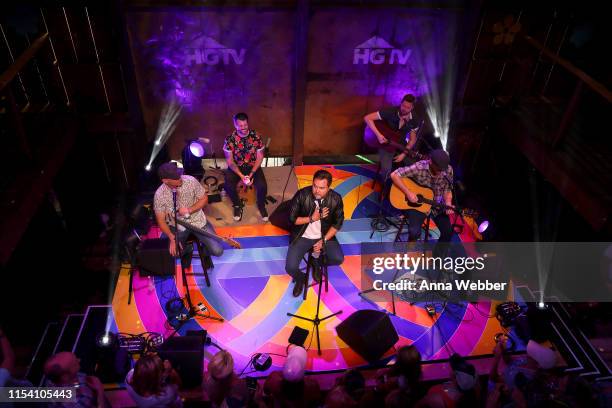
(193,228)
(394,137)
(425,197)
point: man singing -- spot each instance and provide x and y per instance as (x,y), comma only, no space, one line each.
(190,199)
(244,152)
(317,214)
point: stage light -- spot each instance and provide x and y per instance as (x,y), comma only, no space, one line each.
(106,339)
(482,227)
(168,121)
(541,305)
(148,167)
(192,156)
(197,148)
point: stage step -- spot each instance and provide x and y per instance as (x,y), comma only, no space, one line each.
(579,353)
(44,350)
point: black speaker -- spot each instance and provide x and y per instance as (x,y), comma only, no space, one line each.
(186,353)
(154,258)
(369,333)
(280,217)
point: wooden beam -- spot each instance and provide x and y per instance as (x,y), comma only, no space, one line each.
(28,189)
(581,75)
(550,165)
(568,115)
(11,72)
(299,80)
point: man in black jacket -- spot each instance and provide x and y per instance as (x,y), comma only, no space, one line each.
(316,214)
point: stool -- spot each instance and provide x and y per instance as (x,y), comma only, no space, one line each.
(324,274)
(205,258)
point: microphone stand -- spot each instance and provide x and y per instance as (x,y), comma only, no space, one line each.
(316,321)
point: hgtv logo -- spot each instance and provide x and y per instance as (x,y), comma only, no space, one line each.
(378,51)
(208,51)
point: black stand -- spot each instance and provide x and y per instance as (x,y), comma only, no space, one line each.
(191,310)
(365,292)
(316,321)
(380,222)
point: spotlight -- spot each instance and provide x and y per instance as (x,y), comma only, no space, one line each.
(148,167)
(192,156)
(106,339)
(482,227)
(541,305)
(196,148)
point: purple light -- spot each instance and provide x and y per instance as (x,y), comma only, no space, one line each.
(197,148)
(483,226)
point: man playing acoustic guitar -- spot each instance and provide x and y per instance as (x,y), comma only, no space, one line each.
(434,173)
(400,120)
(190,199)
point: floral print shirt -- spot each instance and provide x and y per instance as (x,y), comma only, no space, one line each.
(244,149)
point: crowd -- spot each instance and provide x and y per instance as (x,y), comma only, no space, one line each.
(533,379)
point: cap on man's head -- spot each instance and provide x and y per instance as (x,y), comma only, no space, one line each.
(169,171)
(465,373)
(440,158)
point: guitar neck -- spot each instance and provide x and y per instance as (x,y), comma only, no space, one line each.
(411,153)
(199,230)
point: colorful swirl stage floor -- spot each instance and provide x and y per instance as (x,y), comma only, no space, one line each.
(250,290)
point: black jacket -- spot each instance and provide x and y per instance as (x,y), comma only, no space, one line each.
(303,205)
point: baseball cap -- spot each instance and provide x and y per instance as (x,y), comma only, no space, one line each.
(169,171)
(440,158)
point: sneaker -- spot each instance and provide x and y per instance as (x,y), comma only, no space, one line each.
(264,215)
(237,213)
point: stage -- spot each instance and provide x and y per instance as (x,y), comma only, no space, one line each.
(252,293)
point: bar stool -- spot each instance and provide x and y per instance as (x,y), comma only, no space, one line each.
(309,267)
(205,258)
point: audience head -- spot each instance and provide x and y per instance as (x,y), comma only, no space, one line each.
(221,366)
(338,397)
(295,364)
(408,364)
(148,375)
(353,383)
(543,356)
(464,373)
(62,368)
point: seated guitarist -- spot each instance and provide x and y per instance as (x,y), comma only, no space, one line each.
(190,199)
(437,174)
(399,119)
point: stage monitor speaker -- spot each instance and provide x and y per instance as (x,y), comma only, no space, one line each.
(154,258)
(186,353)
(369,333)
(280,217)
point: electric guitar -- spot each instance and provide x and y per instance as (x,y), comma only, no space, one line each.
(393,136)
(425,197)
(193,228)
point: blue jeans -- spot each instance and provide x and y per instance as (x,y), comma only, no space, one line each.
(300,246)
(212,245)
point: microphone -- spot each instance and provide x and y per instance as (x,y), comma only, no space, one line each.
(320,205)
